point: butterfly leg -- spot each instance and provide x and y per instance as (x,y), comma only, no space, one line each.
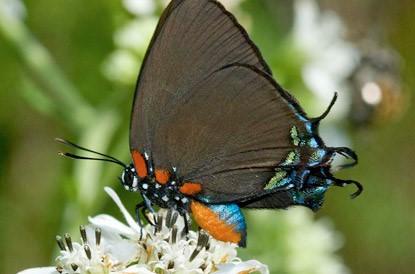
(138,207)
(183,213)
(300,179)
(342,183)
(348,154)
(137,215)
(146,213)
(149,206)
(142,208)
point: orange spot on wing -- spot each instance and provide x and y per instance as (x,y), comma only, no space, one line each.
(209,221)
(190,188)
(162,176)
(139,163)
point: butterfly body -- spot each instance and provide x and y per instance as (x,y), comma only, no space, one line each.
(224,221)
(165,195)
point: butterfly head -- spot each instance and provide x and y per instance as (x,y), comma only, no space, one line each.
(129,178)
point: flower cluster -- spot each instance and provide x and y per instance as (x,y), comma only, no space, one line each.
(109,246)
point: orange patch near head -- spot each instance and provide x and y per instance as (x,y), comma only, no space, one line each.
(139,163)
(162,176)
(190,188)
(209,221)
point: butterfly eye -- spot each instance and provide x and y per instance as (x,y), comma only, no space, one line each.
(126,177)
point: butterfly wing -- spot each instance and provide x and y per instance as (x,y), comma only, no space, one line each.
(228,132)
(205,103)
(193,39)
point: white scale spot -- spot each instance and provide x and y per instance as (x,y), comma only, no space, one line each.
(145,186)
(177,198)
(184,200)
(173,182)
(165,198)
(135,182)
(126,187)
(158,186)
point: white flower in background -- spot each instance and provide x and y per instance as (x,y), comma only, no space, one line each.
(136,34)
(109,246)
(314,244)
(131,42)
(330,59)
(12,9)
(303,244)
(132,39)
(121,66)
(140,7)
(231,4)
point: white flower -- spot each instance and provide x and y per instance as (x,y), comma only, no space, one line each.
(12,9)
(132,41)
(314,243)
(40,270)
(136,34)
(231,4)
(330,59)
(244,267)
(303,244)
(109,246)
(121,66)
(140,7)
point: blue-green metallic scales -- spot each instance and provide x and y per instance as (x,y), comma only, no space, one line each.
(232,215)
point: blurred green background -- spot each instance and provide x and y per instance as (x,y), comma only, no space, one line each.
(58,78)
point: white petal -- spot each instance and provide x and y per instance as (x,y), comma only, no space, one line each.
(40,270)
(222,252)
(135,269)
(179,222)
(130,220)
(112,225)
(125,251)
(235,268)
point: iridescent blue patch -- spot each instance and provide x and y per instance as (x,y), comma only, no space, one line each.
(311,196)
(232,215)
(312,142)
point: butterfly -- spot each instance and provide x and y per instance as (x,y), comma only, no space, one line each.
(212,132)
